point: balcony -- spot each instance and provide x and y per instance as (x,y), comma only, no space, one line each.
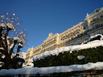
(97,21)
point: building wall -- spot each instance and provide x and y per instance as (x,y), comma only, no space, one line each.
(29,54)
(79,33)
(95,18)
(71,34)
(51,42)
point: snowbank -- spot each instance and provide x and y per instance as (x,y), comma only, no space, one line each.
(92,44)
(49,70)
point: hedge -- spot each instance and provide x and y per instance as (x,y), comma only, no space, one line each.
(67,58)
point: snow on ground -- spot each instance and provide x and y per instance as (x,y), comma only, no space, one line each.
(92,44)
(50,70)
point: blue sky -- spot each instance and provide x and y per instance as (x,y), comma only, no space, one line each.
(38,18)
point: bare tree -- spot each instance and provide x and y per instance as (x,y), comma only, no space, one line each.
(9,45)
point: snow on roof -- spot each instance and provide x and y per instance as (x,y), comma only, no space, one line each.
(96,35)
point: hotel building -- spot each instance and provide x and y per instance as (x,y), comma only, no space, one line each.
(79,33)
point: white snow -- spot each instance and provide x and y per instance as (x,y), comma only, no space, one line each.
(97,36)
(54,69)
(57,69)
(80,57)
(92,44)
